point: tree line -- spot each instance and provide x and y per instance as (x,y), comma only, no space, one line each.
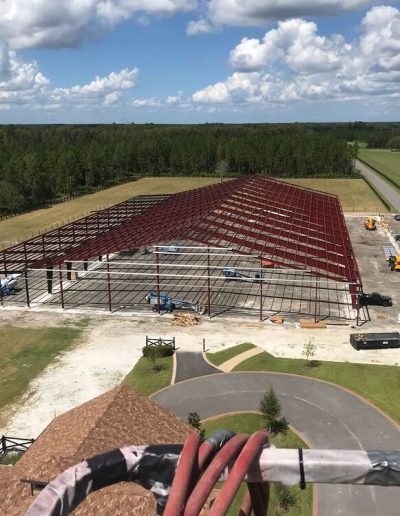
(41,163)
(375,135)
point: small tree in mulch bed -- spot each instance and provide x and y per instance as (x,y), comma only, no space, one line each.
(194,421)
(309,349)
(270,409)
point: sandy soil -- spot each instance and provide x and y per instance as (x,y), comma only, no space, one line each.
(112,345)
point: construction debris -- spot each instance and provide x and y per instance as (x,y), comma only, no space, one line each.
(309,323)
(276,319)
(182,319)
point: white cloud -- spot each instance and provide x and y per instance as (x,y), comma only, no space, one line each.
(258,12)
(20,82)
(112,98)
(297,43)
(102,90)
(293,62)
(175,99)
(201,26)
(65,23)
(145,102)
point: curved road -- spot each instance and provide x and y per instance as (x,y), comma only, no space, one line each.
(390,193)
(329,417)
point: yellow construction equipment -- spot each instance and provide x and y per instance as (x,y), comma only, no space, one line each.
(394,263)
(370,224)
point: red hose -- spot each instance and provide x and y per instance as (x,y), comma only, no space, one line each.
(205,485)
(189,493)
(183,476)
(250,451)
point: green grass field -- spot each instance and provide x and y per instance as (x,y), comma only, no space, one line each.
(384,160)
(144,381)
(25,353)
(38,221)
(249,423)
(354,194)
(377,383)
(220,357)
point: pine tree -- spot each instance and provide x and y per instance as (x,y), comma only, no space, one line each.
(270,409)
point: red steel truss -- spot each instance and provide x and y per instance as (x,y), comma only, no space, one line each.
(291,226)
(53,246)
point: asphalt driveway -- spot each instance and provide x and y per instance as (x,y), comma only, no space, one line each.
(329,417)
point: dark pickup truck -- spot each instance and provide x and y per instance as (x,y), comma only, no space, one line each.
(375,299)
(375,340)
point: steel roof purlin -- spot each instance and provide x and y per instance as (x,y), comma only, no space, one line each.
(294,226)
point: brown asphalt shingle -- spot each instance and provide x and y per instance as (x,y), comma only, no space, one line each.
(115,419)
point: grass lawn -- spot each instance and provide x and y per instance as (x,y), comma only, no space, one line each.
(249,423)
(220,357)
(144,381)
(39,221)
(377,383)
(384,160)
(10,458)
(25,353)
(354,194)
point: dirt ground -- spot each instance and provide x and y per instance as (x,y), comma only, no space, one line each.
(112,344)
(370,248)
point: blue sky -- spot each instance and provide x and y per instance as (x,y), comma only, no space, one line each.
(189,61)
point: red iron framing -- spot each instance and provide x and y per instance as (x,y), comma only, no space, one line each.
(288,225)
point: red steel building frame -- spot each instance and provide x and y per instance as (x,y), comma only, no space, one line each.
(290,226)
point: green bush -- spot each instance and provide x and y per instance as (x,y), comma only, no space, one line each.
(286,498)
(165,350)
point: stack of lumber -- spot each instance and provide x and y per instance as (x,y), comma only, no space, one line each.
(183,319)
(337,322)
(277,319)
(310,323)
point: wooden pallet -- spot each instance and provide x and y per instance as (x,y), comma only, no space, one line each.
(310,324)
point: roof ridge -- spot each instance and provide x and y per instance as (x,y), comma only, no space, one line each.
(97,420)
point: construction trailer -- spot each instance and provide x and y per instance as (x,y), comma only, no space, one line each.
(293,241)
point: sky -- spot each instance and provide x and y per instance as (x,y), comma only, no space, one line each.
(197,61)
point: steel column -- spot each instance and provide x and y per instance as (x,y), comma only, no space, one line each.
(109,285)
(208,283)
(158,279)
(61,287)
(28,303)
(261,292)
(49,275)
(69,268)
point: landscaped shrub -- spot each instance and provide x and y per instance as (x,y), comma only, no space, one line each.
(165,350)
(286,498)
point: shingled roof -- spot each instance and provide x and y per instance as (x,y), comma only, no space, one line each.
(115,419)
